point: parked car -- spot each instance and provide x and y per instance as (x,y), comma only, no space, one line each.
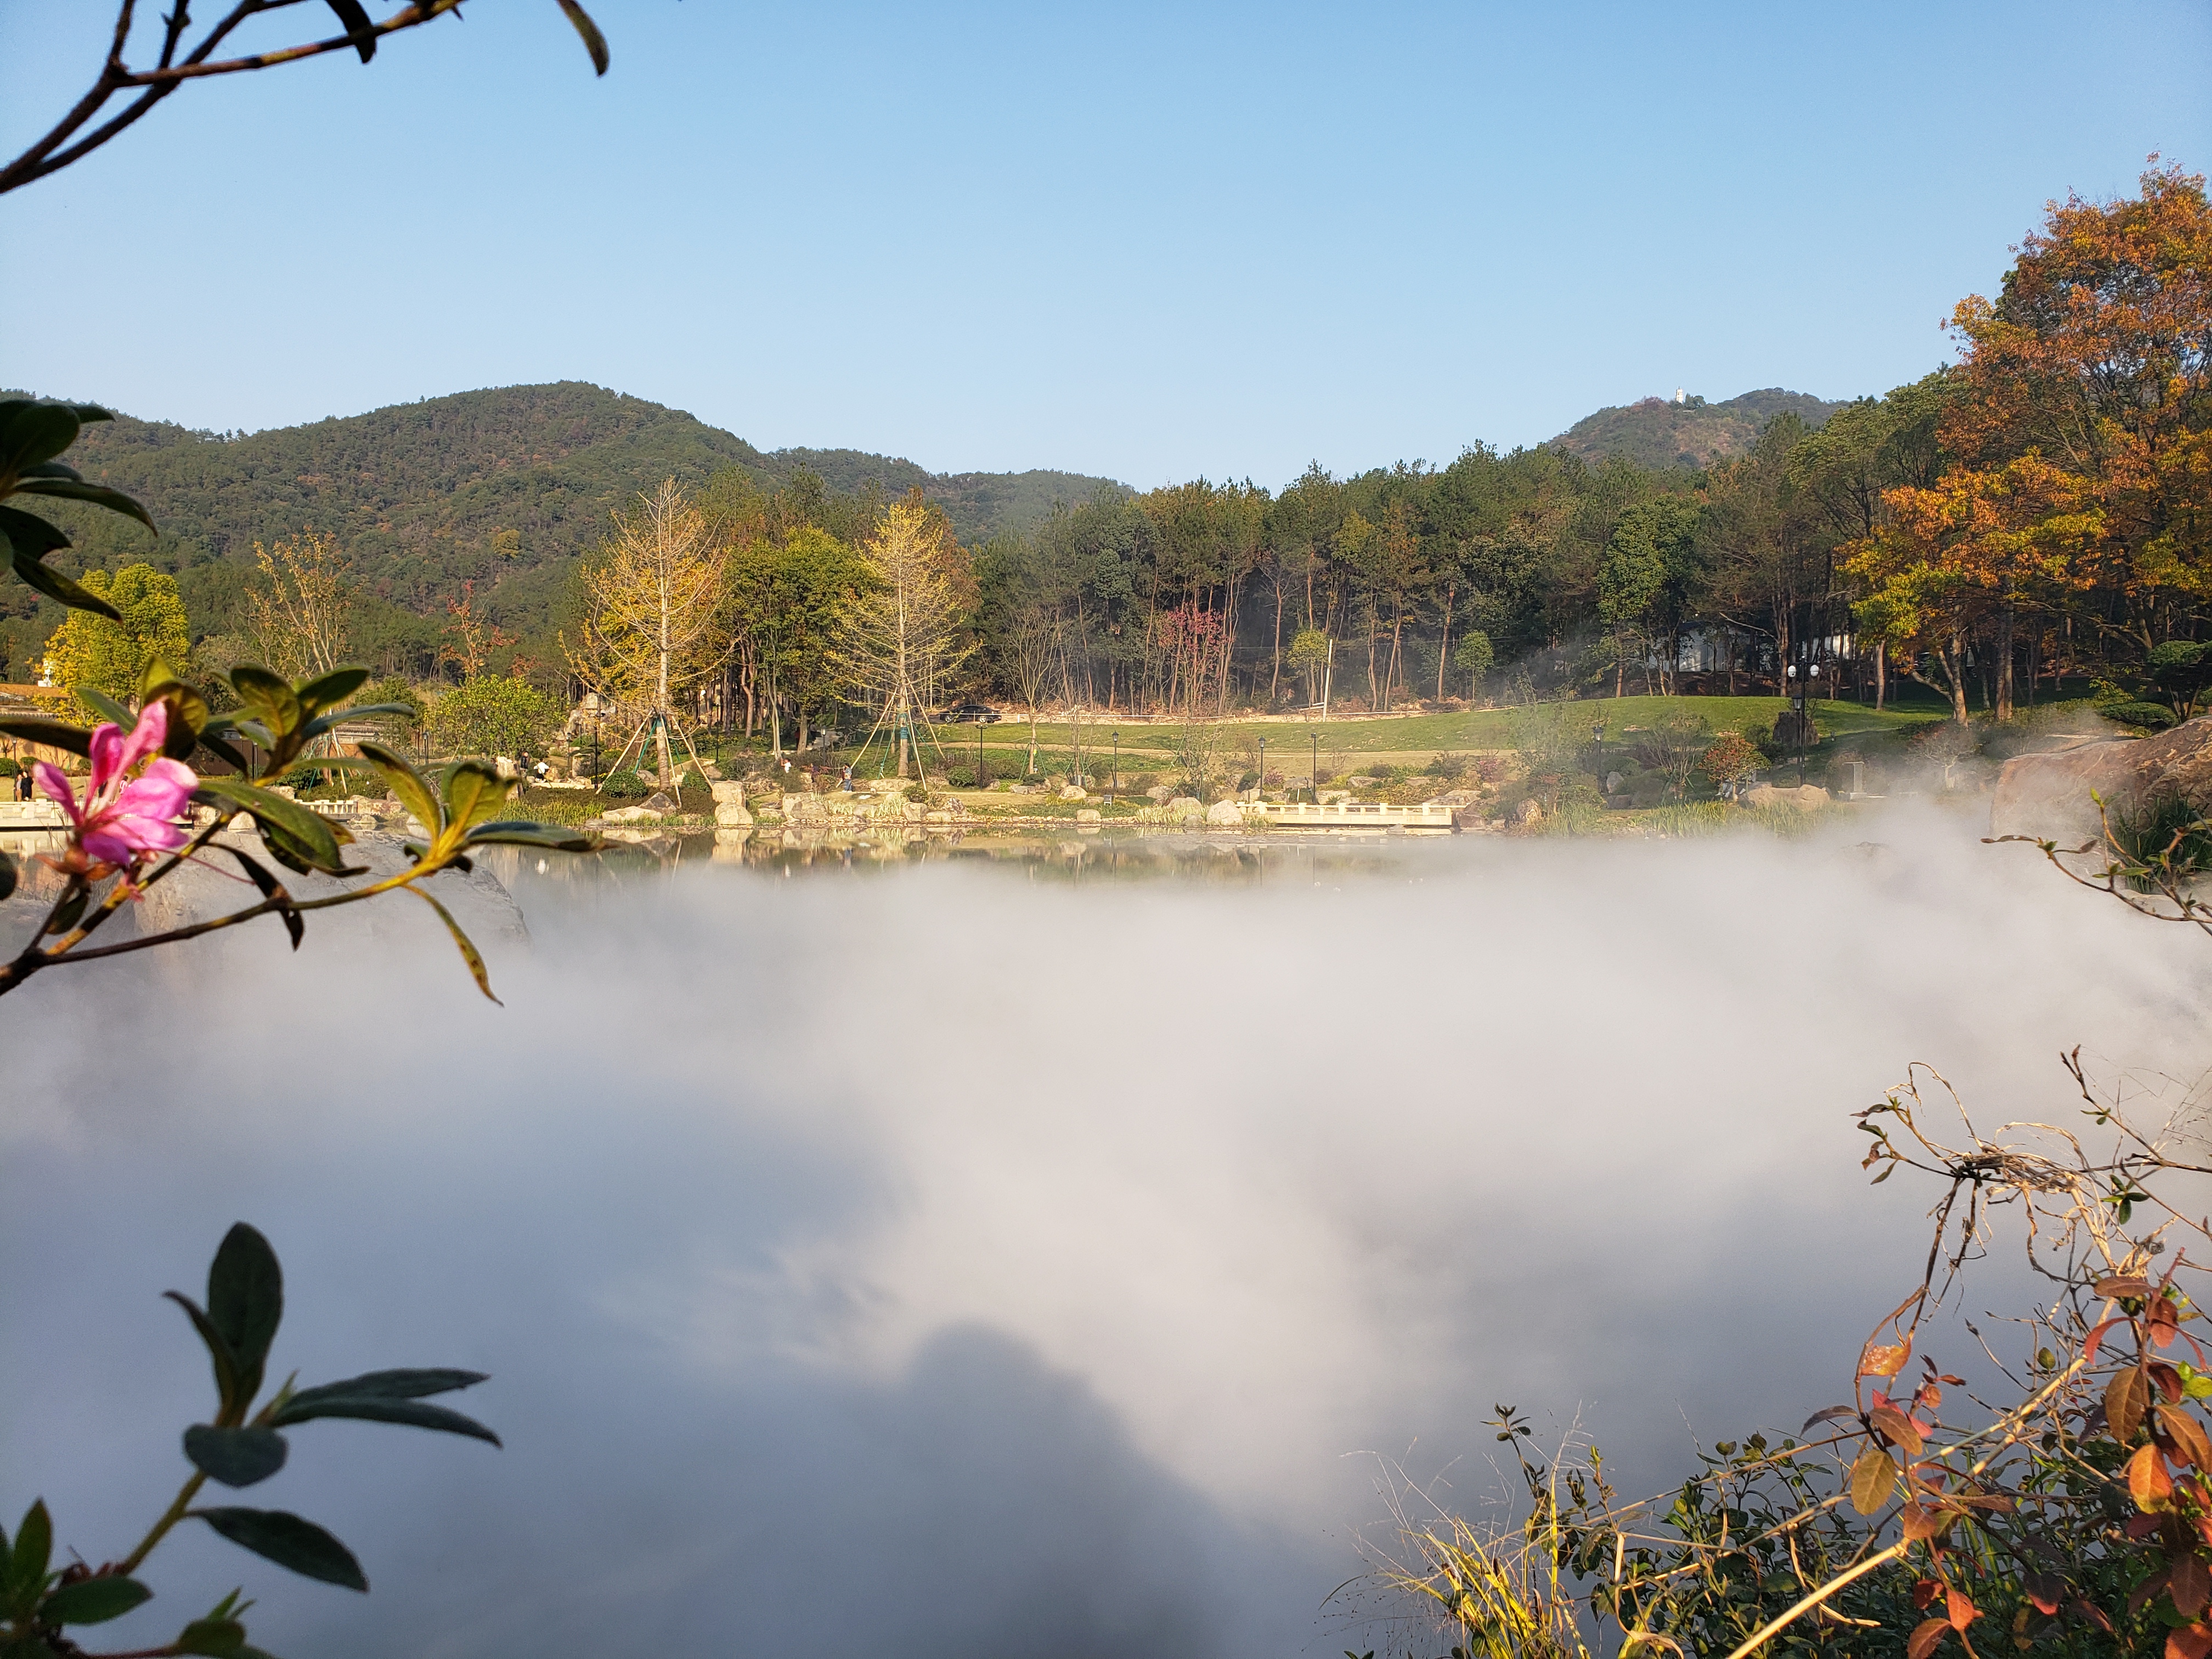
(969,713)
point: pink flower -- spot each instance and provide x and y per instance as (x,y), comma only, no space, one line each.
(121,821)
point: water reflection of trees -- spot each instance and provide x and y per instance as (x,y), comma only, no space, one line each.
(1056,858)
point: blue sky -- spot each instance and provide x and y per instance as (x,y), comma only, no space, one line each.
(1148,241)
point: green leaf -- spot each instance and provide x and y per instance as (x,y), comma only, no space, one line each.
(188,713)
(27,1563)
(99,495)
(52,470)
(296,835)
(412,788)
(90,412)
(473,792)
(257,873)
(34,432)
(470,954)
(237,1458)
(330,690)
(55,586)
(93,1601)
(218,1638)
(594,42)
(515,833)
(31,534)
(213,743)
(382,1408)
(218,1347)
(246,1301)
(353,21)
(65,917)
(54,734)
(104,706)
(6,890)
(322,723)
(269,695)
(409,1384)
(288,1541)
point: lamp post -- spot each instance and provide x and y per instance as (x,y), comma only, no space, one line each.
(1113,776)
(1263,766)
(1801,688)
(1313,777)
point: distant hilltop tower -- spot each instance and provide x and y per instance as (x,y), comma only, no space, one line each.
(1679,398)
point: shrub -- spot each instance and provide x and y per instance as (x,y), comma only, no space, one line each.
(491,716)
(1729,758)
(2155,716)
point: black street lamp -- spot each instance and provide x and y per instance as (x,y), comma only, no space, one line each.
(1114,777)
(1801,688)
(1263,766)
(1313,781)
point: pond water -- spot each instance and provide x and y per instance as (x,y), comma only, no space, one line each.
(994,1256)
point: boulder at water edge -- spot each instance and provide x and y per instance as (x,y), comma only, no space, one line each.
(2050,795)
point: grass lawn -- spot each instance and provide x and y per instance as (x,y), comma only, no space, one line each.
(1348,743)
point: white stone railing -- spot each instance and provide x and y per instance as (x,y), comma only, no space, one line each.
(1349,815)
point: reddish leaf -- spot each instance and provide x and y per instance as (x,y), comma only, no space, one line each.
(1834,1413)
(2095,1615)
(2044,1589)
(2189,1642)
(2145,1593)
(2165,1322)
(2122,1287)
(2190,1585)
(1926,1639)
(2096,1338)
(1920,1522)
(1962,1612)
(2125,1397)
(2140,1527)
(1894,1423)
(2148,1484)
(2187,1434)
(2167,1378)
(1926,1591)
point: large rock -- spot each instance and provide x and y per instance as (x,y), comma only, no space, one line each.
(1187,806)
(2050,795)
(731,811)
(1525,814)
(1224,814)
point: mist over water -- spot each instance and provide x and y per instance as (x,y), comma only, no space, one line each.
(975,1265)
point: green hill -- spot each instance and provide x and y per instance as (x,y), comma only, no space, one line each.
(504,487)
(1655,432)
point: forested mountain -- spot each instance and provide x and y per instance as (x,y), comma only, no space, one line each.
(1660,433)
(503,487)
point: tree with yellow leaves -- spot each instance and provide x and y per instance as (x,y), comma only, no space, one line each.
(652,621)
(297,614)
(899,635)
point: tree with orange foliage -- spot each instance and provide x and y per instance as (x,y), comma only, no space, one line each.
(1960,559)
(2080,428)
